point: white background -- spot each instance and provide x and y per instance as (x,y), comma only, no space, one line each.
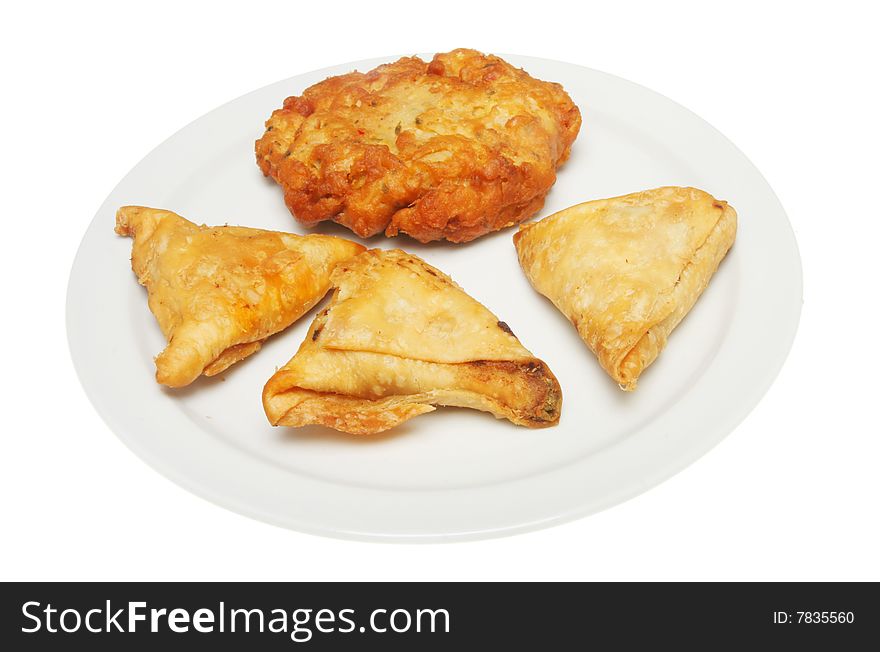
(90,88)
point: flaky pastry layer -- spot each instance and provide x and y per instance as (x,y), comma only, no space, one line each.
(625,271)
(398,338)
(219,292)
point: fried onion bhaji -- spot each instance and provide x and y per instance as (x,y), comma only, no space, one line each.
(452,149)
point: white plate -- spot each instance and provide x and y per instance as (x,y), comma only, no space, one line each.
(454,473)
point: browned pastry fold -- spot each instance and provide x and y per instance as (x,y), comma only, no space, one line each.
(625,271)
(398,338)
(219,292)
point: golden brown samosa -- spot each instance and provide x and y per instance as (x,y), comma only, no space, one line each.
(625,271)
(219,292)
(398,338)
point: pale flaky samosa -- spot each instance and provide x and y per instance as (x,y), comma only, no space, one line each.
(398,338)
(219,292)
(625,271)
